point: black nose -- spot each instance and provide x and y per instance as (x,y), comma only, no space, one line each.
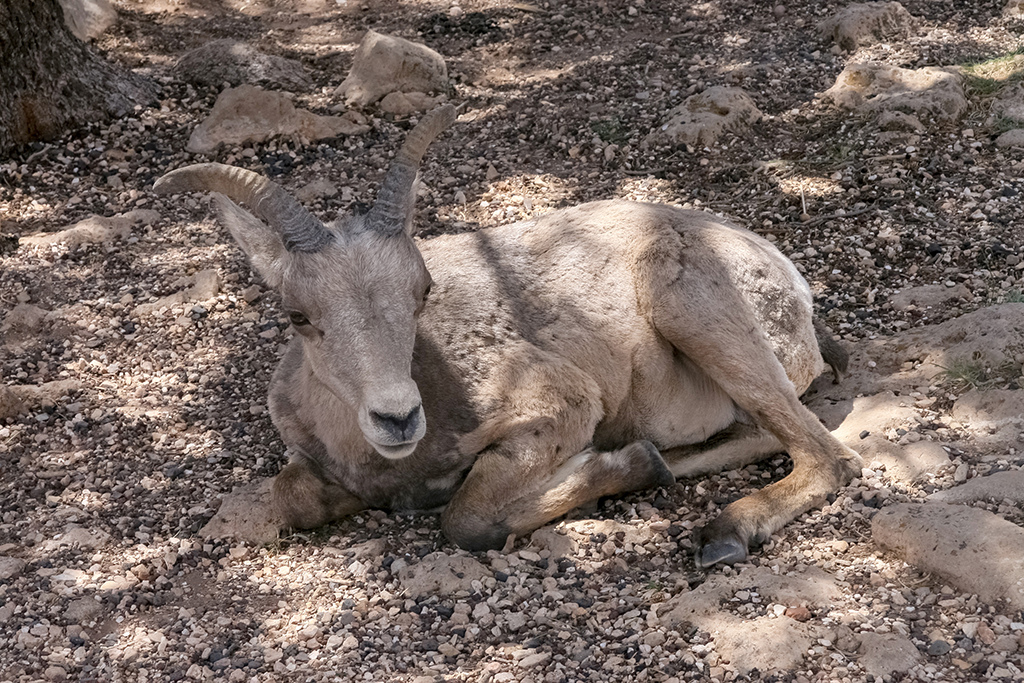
(401,427)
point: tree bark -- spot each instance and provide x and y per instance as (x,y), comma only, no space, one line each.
(51,82)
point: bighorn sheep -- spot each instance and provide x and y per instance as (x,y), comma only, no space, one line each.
(592,351)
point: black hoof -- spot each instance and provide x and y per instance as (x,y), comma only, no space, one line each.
(727,550)
(661,475)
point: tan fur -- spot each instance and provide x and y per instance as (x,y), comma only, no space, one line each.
(552,361)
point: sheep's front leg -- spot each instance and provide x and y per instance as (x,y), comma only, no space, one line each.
(502,496)
(304,499)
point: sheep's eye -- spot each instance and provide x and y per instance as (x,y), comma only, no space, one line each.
(426,292)
(297,319)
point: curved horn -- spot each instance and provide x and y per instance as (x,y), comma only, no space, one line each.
(300,230)
(389,212)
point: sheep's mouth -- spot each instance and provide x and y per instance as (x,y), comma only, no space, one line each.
(395,452)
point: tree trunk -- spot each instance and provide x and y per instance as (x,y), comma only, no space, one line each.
(50,81)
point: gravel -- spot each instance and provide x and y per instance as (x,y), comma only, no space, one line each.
(104,486)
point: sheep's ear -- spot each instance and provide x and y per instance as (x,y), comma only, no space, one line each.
(258,240)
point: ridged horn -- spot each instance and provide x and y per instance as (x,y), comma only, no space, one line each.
(300,230)
(388,214)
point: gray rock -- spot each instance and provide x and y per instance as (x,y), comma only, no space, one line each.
(10,567)
(385,64)
(863,23)
(998,487)
(441,574)
(558,544)
(234,62)
(249,114)
(23,317)
(1011,138)
(321,187)
(702,118)
(955,542)
(928,296)
(79,537)
(871,88)
(882,654)
(82,611)
(14,400)
(896,121)
(88,19)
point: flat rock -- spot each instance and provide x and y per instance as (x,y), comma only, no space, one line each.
(765,643)
(249,114)
(871,88)
(702,118)
(877,414)
(999,487)
(928,296)
(441,574)
(864,23)
(883,654)
(627,533)
(235,62)
(88,19)
(997,414)
(10,567)
(954,541)
(246,514)
(79,537)
(94,230)
(904,463)
(385,64)
(1011,138)
(15,399)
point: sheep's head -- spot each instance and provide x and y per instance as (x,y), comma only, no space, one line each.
(352,290)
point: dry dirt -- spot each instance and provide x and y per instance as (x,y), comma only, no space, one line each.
(105,483)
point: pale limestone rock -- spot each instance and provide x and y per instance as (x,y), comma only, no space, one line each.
(384,64)
(871,88)
(929,296)
(702,118)
(999,487)
(1011,138)
(10,567)
(953,541)
(766,643)
(246,514)
(234,62)
(202,286)
(405,104)
(863,23)
(441,574)
(95,230)
(249,114)
(88,19)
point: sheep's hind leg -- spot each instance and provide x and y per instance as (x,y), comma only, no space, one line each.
(736,446)
(719,332)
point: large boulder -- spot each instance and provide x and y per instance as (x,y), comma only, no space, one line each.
(954,542)
(872,88)
(234,62)
(863,23)
(249,114)
(385,64)
(702,118)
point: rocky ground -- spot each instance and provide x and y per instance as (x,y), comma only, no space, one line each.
(136,350)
